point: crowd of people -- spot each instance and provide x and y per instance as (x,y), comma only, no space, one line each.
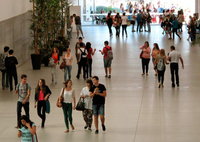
(93,93)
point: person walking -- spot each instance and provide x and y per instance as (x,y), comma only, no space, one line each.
(68,59)
(5,79)
(78,25)
(54,68)
(68,95)
(82,57)
(77,46)
(87,113)
(148,21)
(109,21)
(117,24)
(174,57)
(146,50)
(175,25)
(133,20)
(139,21)
(161,62)
(107,63)
(124,24)
(91,53)
(70,28)
(10,64)
(27,130)
(154,54)
(24,91)
(42,93)
(98,94)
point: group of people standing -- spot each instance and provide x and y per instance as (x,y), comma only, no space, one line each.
(160,60)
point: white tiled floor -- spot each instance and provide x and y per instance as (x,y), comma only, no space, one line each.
(136,110)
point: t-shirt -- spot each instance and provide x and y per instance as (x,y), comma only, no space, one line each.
(124,20)
(23,91)
(90,53)
(174,56)
(97,99)
(88,101)
(78,20)
(105,51)
(41,96)
(68,59)
(10,63)
(26,134)
(68,95)
(55,57)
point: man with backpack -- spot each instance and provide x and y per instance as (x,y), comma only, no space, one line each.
(23,90)
(3,56)
(108,57)
(10,64)
(82,60)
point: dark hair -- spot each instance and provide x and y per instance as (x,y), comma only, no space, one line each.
(96,77)
(82,44)
(37,89)
(66,82)
(23,76)
(11,52)
(88,46)
(80,38)
(106,42)
(173,47)
(157,47)
(74,14)
(109,14)
(147,43)
(20,125)
(90,82)
(57,51)
(124,14)
(6,48)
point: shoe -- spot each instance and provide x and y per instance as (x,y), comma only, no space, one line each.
(173,86)
(162,85)
(177,85)
(103,127)
(67,131)
(143,74)
(42,127)
(11,89)
(72,127)
(106,75)
(180,38)
(89,129)
(159,85)
(97,131)
(85,127)
(147,74)
(170,38)
(109,76)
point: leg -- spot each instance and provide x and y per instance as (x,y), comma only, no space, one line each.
(125,26)
(43,113)
(90,67)
(64,107)
(122,30)
(69,110)
(163,74)
(159,76)
(69,71)
(96,121)
(106,71)
(39,108)
(3,79)
(176,73)
(147,65)
(79,70)
(85,117)
(84,70)
(173,33)
(177,33)
(172,73)
(19,110)
(15,78)
(7,80)
(89,118)
(56,73)
(52,74)
(65,73)
(82,33)
(143,64)
(10,80)
(26,109)
(109,70)
(105,66)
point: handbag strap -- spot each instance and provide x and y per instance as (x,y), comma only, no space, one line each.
(63,92)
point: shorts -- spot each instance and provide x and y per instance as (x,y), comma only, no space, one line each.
(169,29)
(98,109)
(107,63)
(78,28)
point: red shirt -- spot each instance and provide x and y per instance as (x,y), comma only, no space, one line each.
(41,96)
(90,53)
(55,57)
(106,50)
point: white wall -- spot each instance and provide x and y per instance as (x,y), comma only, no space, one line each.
(12,8)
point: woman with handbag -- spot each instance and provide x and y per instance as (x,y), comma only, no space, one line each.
(54,68)
(42,93)
(87,113)
(154,54)
(68,59)
(27,130)
(146,50)
(68,97)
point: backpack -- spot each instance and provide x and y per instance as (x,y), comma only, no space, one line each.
(160,65)
(83,56)
(109,54)
(2,61)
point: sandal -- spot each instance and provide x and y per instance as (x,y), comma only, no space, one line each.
(72,127)
(67,131)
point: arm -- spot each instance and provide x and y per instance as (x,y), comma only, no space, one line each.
(48,93)
(92,95)
(16,62)
(141,47)
(19,134)
(102,94)
(78,57)
(93,51)
(71,60)
(182,62)
(168,58)
(74,99)
(29,93)
(32,129)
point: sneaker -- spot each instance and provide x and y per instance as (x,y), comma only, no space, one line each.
(52,80)
(97,131)
(89,129)
(173,85)
(85,127)
(109,76)
(106,75)
(177,85)
(103,127)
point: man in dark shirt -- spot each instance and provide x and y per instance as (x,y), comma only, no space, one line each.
(10,63)
(98,93)
(78,25)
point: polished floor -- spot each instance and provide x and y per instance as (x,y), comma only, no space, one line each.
(136,109)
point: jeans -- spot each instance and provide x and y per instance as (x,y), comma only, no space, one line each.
(98,109)
(54,73)
(41,106)
(145,64)
(19,109)
(175,31)
(5,79)
(133,26)
(124,29)
(12,74)
(81,65)
(174,69)
(67,71)
(161,76)
(139,26)
(149,26)
(117,30)
(110,29)
(67,111)
(70,32)
(89,68)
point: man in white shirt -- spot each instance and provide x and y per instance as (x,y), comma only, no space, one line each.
(82,58)
(174,57)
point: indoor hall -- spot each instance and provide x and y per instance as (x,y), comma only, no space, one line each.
(136,110)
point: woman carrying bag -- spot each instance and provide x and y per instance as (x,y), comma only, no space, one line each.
(42,93)
(68,96)
(87,112)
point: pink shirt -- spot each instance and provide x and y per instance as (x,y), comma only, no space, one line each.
(146,52)
(41,96)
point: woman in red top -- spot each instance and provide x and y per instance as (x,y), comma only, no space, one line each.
(42,93)
(54,68)
(90,54)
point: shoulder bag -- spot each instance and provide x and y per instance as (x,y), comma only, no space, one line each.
(63,65)
(80,105)
(141,54)
(59,104)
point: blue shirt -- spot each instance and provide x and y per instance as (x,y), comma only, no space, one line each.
(175,24)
